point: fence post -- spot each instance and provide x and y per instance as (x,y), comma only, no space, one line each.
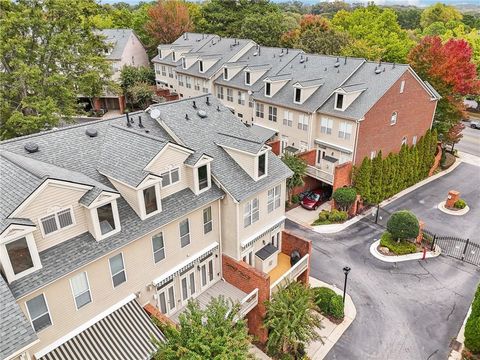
(433,242)
(465,249)
(376,216)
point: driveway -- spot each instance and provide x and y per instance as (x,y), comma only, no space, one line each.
(405,311)
(470,143)
(304,216)
(423,202)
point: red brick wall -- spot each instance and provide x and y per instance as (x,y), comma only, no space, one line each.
(343,175)
(310,184)
(275,146)
(157,314)
(247,279)
(309,156)
(291,242)
(415,113)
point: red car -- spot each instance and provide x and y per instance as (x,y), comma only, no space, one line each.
(314,199)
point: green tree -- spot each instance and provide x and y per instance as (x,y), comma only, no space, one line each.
(403,225)
(409,18)
(345,197)
(216,333)
(361,179)
(439,13)
(299,168)
(291,320)
(47,48)
(137,85)
(376,184)
(264,29)
(140,95)
(376,34)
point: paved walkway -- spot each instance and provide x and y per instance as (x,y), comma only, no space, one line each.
(304,216)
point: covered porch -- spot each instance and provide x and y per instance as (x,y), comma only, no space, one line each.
(228,291)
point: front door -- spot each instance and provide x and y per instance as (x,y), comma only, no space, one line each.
(188,286)
(166,299)
(320,155)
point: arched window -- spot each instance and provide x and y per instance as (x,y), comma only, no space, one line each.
(393,118)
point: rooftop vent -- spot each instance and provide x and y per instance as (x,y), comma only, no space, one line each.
(155,114)
(345,61)
(218,107)
(140,125)
(208,101)
(255,53)
(31,147)
(194,104)
(91,132)
(186,117)
(202,114)
(128,120)
(378,70)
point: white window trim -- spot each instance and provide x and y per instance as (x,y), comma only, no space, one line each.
(89,290)
(268,95)
(96,225)
(393,116)
(48,309)
(246,254)
(225,71)
(294,95)
(343,103)
(180,233)
(141,201)
(288,118)
(344,126)
(200,62)
(303,121)
(245,78)
(250,214)
(257,159)
(208,222)
(153,249)
(57,221)
(274,197)
(402,86)
(124,270)
(32,248)
(170,176)
(196,181)
(404,140)
(328,127)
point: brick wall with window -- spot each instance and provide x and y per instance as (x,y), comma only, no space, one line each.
(414,117)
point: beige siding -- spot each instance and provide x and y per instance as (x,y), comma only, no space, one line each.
(51,198)
(141,271)
(129,194)
(333,137)
(246,161)
(230,242)
(134,54)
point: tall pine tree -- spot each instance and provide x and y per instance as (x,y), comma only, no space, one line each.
(376,192)
(361,179)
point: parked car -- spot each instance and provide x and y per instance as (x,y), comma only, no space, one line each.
(303,194)
(314,199)
(475,124)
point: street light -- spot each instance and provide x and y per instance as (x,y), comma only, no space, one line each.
(346,270)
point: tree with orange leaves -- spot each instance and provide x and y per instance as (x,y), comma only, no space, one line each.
(168,20)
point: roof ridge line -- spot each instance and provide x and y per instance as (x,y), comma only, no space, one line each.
(240,138)
(152,137)
(12,161)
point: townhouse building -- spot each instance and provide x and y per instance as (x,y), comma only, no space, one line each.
(334,111)
(105,223)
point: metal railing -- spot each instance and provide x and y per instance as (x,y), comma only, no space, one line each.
(291,274)
(320,174)
(249,302)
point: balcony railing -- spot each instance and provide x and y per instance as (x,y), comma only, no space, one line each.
(249,302)
(320,174)
(291,274)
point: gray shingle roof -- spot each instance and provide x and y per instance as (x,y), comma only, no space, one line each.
(118,38)
(263,133)
(15,330)
(203,134)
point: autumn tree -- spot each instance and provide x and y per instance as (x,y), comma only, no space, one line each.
(449,68)
(454,135)
(168,19)
(49,52)
(439,13)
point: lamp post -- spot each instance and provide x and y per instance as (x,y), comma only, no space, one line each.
(346,270)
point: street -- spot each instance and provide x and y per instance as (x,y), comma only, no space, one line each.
(470,143)
(407,310)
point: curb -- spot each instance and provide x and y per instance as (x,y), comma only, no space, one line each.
(334,228)
(457,355)
(399,258)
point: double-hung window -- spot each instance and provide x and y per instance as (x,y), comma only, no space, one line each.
(288,118)
(188,82)
(164,70)
(158,247)
(268,89)
(56,221)
(117,269)
(326,126)
(345,131)
(180,80)
(106,219)
(170,177)
(170,72)
(202,177)
(205,87)
(38,312)
(81,290)
(184,233)
(251,212)
(220,92)
(150,200)
(196,83)
(259,108)
(262,165)
(272,113)
(19,255)
(303,122)
(298,96)
(241,98)
(273,198)
(230,95)
(207,220)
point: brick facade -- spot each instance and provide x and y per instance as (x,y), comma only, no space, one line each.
(157,314)
(291,242)
(414,110)
(247,279)
(343,175)
(275,146)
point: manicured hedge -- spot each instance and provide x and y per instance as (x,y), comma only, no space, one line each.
(345,197)
(326,217)
(460,204)
(403,225)
(329,302)
(472,328)
(399,248)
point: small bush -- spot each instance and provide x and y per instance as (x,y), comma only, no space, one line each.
(403,225)
(322,297)
(399,248)
(330,217)
(460,204)
(336,307)
(295,199)
(345,197)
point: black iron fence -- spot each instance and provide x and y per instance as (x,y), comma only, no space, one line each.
(458,248)
(379,216)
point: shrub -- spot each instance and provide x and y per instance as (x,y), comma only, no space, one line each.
(403,225)
(472,334)
(322,297)
(460,204)
(330,217)
(295,199)
(336,307)
(449,160)
(402,247)
(345,197)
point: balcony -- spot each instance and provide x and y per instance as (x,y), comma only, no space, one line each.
(320,174)
(284,273)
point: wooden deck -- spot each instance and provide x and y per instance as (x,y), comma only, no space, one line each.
(282,267)
(222,288)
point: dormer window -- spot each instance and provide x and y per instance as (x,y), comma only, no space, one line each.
(150,200)
(160,53)
(202,177)
(247,78)
(184,63)
(262,165)
(173,56)
(298,95)
(339,101)
(19,255)
(268,89)
(200,66)
(106,219)
(225,74)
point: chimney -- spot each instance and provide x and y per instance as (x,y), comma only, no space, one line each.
(140,125)
(128,120)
